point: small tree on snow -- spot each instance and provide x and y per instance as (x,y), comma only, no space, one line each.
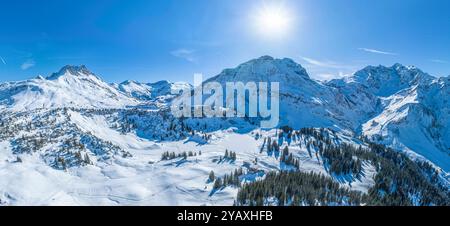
(218,183)
(211,176)
(87,160)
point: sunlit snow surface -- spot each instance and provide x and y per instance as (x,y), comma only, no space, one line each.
(143,179)
(401,107)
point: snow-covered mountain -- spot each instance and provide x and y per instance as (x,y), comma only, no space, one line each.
(77,87)
(399,106)
(151,91)
(80,141)
(416,119)
(385,81)
(413,113)
(72,86)
(304,102)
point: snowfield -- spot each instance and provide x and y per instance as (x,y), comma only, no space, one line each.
(73,139)
(144,179)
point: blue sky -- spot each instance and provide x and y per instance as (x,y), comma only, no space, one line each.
(173,39)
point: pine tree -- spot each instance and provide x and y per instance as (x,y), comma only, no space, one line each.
(165,156)
(211,176)
(286,151)
(225,180)
(232,156)
(218,184)
(87,160)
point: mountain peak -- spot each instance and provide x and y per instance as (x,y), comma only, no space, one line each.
(80,70)
(265,58)
(40,77)
(385,81)
(398,65)
(128,82)
(265,69)
(395,67)
(270,59)
(160,83)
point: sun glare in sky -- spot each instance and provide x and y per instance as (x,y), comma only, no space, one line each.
(273,20)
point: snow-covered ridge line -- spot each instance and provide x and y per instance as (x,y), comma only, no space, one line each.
(82,141)
(384,103)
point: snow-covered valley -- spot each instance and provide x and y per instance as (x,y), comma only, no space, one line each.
(144,179)
(73,139)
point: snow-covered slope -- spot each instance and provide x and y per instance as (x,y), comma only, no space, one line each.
(403,106)
(412,109)
(141,177)
(416,119)
(304,102)
(161,90)
(72,86)
(135,89)
(386,81)
(73,139)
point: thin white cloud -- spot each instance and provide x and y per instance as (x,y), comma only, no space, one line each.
(439,61)
(28,64)
(327,70)
(186,54)
(319,63)
(3,60)
(330,76)
(325,76)
(377,51)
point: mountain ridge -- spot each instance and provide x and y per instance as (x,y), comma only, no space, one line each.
(83,141)
(369,102)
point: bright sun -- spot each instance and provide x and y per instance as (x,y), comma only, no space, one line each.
(273,21)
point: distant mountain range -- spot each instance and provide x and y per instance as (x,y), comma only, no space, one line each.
(401,107)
